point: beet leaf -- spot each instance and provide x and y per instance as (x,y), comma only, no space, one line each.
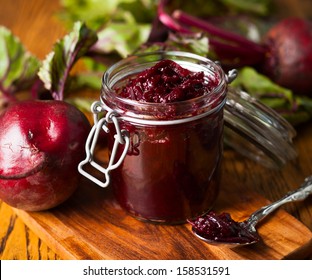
(18,67)
(294,108)
(55,69)
(121,38)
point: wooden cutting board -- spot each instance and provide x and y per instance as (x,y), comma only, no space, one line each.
(91,225)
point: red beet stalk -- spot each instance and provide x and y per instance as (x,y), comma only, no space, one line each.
(226,44)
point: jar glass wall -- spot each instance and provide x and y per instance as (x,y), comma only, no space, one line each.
(171,171)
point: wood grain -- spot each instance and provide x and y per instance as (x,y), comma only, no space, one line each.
(91,225)
(18,241)
(35,22)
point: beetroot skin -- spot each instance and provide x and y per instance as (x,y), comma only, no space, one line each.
(42,143)
(289,56)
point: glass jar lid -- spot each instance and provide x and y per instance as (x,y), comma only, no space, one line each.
(257,131)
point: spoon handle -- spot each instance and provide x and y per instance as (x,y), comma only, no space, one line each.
(296,195)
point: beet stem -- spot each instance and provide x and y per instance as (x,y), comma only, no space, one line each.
(168,21)
(6,95)
(233,49)
(246,56)
(213,30)
(225,43)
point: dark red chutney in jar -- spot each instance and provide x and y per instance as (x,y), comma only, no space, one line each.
(171,172)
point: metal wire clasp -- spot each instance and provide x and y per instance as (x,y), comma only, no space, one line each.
(121,138)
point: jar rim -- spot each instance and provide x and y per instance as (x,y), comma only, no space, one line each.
(139,62)
(251,128)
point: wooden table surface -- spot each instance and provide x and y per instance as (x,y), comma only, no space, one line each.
(35,23)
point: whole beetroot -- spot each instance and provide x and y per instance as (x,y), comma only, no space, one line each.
(289,57)
(41,144)
(284,55)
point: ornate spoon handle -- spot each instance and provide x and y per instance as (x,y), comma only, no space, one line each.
(296,195)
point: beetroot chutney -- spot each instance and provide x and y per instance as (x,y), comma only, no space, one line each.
(222,228)
(172,108)
(167,82)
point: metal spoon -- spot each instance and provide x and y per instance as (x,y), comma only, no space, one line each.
(249,225)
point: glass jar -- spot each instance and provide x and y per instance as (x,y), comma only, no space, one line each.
(165,158)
